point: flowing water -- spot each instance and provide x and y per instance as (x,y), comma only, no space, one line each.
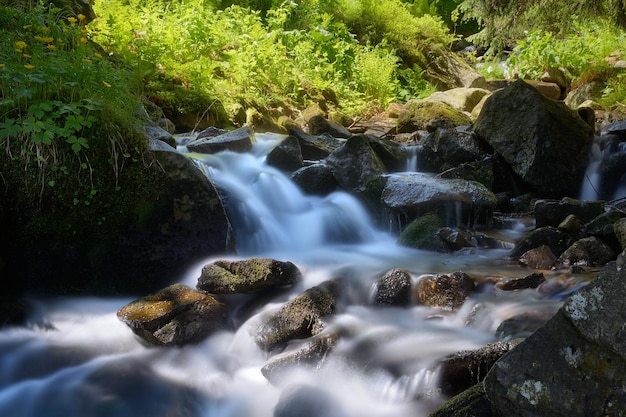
(76,359)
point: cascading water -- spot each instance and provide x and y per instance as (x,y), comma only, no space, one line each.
(77,359)
(605,177)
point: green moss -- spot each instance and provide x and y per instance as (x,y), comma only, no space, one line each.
(420,232)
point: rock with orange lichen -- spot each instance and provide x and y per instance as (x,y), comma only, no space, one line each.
(174,316)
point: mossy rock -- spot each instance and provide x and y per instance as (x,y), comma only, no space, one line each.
(470,403)
(426,115)
(421,232)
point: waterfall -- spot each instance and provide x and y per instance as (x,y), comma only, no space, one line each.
(605,176)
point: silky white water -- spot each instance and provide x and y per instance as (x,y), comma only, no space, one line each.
(76,359)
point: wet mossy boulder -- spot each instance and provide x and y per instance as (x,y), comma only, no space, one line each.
(446,291)
(421,233)
(472,402)
(355,162)
(426,115)
(174,316)
(247,276)
(129,237)
(300,318)
(393,288)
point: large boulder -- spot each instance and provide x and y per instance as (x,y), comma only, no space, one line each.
(575,365)
(247,276)
(132,240)
(313,147)
(174,316)
(446,70)
(448,148)
(462,98)
(543,141)
(410,195)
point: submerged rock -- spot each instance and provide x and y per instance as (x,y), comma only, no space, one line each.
(575,364)
(174,316)
(302,317)
(247,276)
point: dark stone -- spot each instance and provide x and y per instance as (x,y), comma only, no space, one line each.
(317,179)
(309,355)
(302,317)
(472,402)
(394,288)
(538,258)
(447,148)
(462,370)
(529,281)
(413,194)
(574,365)
(247,276)
(238,140)
(529,131)
(354,163)
(174,316)
(589,251)
(315,148)
(553,212)
(287,155)
(319,125)
(555,239)
(522,325)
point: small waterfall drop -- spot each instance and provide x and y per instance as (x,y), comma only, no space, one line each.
(271,214)
(605,176)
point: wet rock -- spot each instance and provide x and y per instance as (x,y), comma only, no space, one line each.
(317,179)
(603,227)
(424,115)
(555,239)
(390,153)
(529,130)
(529,281)
(538,258)
(447,148)
(413,194)
(444,291)
(571,224)
(522,325)
(355,162)
(315,148)
(553,212)
(472,402)
(483,171)
(319,125)
(299,318)
(421,233)
(588,251)
(462,370)
(174,316)
(156,133)
(309,355)
(457,239)
(238,140)
(575,364)
(619,228)
(287,155)
(247,276)
(394,288)
(307,401)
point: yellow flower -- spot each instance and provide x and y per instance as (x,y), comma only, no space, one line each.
(48,40)
(87,61)
(45,29)
(106,84)
(97,55)
(81,17)
(39,38)
(72,19)
(20,45)
(27,56)
(29,66)
(2,65)
(27,26)
(83,39)
(52,47)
